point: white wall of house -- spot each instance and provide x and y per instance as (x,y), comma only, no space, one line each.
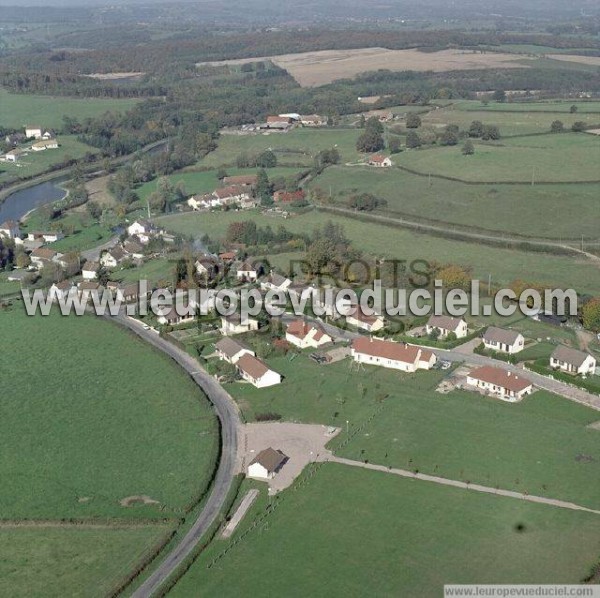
(256,470)
(383,362)
(461,330)
(269,378)
(588,367)
(235,358)
(378,324)
(516,347)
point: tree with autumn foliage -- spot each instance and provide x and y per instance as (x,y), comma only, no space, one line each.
(590,314)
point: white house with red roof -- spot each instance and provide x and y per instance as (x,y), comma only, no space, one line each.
(380,161)
(388,354)
(304,335)
(505,384)
(10,229)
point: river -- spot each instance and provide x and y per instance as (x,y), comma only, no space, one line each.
(19,203)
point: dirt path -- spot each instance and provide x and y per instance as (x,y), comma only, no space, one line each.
(458,484)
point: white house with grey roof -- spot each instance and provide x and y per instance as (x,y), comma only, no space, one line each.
(503,341)
(572,361)
(266,464)
(231,350)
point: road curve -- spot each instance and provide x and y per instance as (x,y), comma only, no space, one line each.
(228,414)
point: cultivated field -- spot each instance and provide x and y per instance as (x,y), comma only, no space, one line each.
(376,239)
(126,423)
(591,60)
(545,106)
(322,67)
(18,110)
(351,532)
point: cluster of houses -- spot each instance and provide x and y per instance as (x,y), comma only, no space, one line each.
(42,139)
(282,123)
(239,191)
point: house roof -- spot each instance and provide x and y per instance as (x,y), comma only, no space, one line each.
(64,285)
(270,459)
(500,377)
(88,285)
(246,267)
(444,322)
(500,335)
(230,191)
(390,350)
(90,267)
(133,247)
(44,253)
(301,329)
(277,279)
(252,366)
(357,313)
(288,196)
(570,356)
(236,318)
(230,347)
(377,158)
(117,252)
(242,179)
(130,290)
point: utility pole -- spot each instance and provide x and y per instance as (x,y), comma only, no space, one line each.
(533,176)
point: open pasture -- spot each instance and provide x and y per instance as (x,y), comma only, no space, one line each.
(567,157)
(395,537)
(125,422)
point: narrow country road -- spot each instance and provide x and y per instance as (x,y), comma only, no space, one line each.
(93,255)
(231,429)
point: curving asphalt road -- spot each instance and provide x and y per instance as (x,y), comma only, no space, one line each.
(231,429)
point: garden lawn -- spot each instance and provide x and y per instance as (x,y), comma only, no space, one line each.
(92,415)
(353,532)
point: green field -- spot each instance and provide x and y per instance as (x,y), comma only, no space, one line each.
(92,415)
(546,106)
(512,119)
(504,265)
(552,158)
(18,110)
(530,446)
(37,162)
(352,532)
(42,562)
(296,147)
(500,208)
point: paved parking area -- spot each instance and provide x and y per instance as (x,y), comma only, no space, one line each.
(301,443)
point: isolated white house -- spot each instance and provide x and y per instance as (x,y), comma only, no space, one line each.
(257,372)
(445,325)
(505,384)
(266,464)
(503,341)
(44,144)
(388,354)
(42,256)
(303,335)
(572,361)
(380,161)
(47,237)
(13,155)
